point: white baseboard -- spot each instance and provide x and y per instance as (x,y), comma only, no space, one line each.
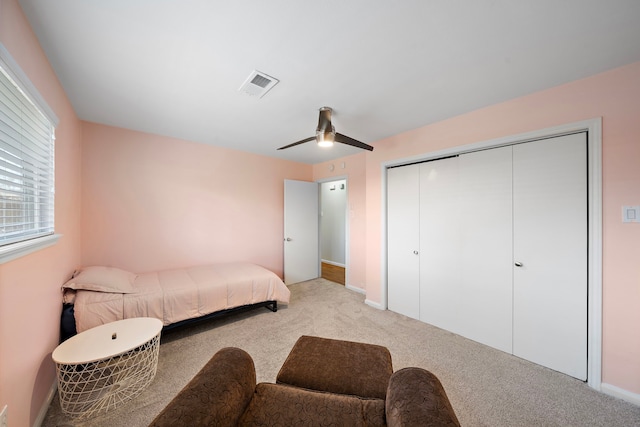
(373,304)
(620,393)
(358,290)
(46,404)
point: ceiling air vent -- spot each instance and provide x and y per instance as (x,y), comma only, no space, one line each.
(257,84)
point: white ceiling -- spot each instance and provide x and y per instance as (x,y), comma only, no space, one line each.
(173,67)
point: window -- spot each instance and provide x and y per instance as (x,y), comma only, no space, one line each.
(27,134)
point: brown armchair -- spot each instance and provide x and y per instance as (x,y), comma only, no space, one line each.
(225,393)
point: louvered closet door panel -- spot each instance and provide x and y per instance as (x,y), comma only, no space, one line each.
(440,242)
(485,255)
(550,240)
(403,244)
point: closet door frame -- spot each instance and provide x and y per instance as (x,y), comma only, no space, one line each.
(593,127)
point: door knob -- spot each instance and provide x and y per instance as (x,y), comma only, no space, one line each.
(518,264)
(415,252)
(288,239)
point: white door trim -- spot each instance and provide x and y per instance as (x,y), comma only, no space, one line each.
(593,127)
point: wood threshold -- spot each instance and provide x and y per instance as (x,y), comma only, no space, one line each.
(333,273)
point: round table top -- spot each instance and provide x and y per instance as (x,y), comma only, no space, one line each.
(108,340)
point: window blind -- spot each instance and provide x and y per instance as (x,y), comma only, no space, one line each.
(26,165)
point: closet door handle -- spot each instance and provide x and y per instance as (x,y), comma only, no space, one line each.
(518,264)
(415,252)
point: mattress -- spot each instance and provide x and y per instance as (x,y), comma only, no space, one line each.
(176,295)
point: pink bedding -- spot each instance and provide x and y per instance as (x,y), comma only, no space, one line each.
(175,295)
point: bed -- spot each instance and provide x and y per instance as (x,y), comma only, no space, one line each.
(97,295)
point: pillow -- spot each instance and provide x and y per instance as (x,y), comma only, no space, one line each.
(102,279)
(68,296)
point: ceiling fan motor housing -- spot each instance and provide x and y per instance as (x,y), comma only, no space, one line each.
(324,120)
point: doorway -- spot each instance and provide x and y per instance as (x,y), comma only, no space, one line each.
(333,230)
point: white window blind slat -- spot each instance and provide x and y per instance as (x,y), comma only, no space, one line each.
(26,165)
(13,142)
(15,102)
(18,169)
(36,128)
(14,133)
(13,152)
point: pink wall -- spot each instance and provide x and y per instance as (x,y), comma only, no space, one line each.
(614,96)
(151,202)
(30,299)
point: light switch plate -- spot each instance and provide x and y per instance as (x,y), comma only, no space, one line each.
(631,214)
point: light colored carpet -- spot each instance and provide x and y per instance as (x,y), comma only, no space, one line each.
(486,387)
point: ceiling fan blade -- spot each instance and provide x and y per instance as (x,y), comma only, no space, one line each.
(344,139)
(311,138)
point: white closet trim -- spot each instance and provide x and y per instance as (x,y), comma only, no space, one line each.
(593,127)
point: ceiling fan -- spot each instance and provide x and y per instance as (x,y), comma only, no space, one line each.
(326,134)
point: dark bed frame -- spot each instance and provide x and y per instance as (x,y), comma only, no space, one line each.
(68,321)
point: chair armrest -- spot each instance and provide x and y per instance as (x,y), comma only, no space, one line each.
(415,397)
(218,394)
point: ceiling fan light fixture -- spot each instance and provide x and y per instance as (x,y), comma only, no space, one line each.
(326,138)
(326,134)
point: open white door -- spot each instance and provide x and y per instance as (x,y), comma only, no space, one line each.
(301,247)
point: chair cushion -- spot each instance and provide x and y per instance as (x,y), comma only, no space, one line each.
(282,405)
(336,366)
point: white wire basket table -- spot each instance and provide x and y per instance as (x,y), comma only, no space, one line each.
(108,365)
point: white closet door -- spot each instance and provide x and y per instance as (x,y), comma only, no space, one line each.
(485,256)
(440,243)
(403,243)
(301,238)
(550,241)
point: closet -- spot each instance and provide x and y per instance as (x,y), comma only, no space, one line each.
(492,245)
